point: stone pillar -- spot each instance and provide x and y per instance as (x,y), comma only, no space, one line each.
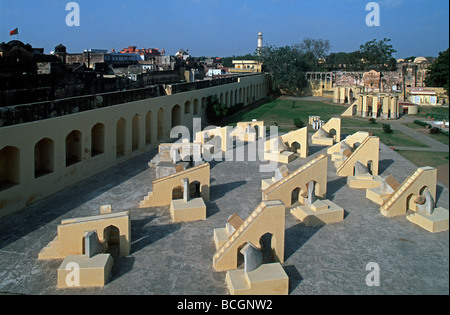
(374,106)
(364,106)
(252,257)
(386,107)
(311,193)
(342,95)
(336,95)
(186,192)
(395,107)
(360,105)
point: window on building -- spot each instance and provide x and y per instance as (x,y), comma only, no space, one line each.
(9,167)
(73,148)
(43,157)
(98,139)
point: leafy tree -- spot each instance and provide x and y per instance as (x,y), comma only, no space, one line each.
(287,67)
(314,50)
(214,110)
(379,54)
(349,61)
(438,75)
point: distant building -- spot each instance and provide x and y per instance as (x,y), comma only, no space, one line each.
(182,54)
(415,72)
(246,66)
(215,72)
(423,96)
(91,57)
(144,53)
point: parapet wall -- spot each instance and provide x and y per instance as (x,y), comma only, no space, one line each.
(17,114)
(41,157)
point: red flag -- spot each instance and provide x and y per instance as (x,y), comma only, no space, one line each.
(14,32)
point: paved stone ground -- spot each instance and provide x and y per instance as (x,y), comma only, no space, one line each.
(176,259)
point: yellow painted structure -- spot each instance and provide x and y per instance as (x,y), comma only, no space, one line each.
(164,188)
(333,128)
(402,199)
(249,131)
(268,217)
(70,234)
(375,105)
(315,170)
(321,212)
(187,211)
(367,153)
(296,141)
(380,193)
(434,223)
(336,151)
(365,181)
(225,134)
(36,161)
(244,66)
(91,272)
(268,279)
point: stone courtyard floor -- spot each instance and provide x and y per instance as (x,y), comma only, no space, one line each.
(176,259)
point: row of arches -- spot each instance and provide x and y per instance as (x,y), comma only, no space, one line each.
(114,138)
(74,149)
(244,95)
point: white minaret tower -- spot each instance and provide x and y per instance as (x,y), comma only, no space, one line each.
(260,42)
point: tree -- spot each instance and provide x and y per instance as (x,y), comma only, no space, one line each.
(215,111)
(314,50)
(379,54)
(439,72)
(349,61)
(299,123)
(287,68)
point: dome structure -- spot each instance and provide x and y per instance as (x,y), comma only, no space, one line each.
(420,60)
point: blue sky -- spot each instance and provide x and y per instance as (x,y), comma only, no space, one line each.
(227,27)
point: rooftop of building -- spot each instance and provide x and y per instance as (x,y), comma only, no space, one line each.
(176,258)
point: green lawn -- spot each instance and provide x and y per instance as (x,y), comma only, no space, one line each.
(283,112)
(425,158)
(440,137)
(359,122)
(396,138)
(439,111)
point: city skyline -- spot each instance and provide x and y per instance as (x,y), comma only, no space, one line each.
(227,28)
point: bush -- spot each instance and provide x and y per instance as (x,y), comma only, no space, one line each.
(215,111)
(373,120)
(387,128)
(421,123)
(299,123)
(435,131)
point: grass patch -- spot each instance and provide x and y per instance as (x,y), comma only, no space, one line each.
(283,112)
(440,137)
(425,158)
(359,122)
(424,111)
(396,138)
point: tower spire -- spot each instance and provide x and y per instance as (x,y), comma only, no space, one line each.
(260,42)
